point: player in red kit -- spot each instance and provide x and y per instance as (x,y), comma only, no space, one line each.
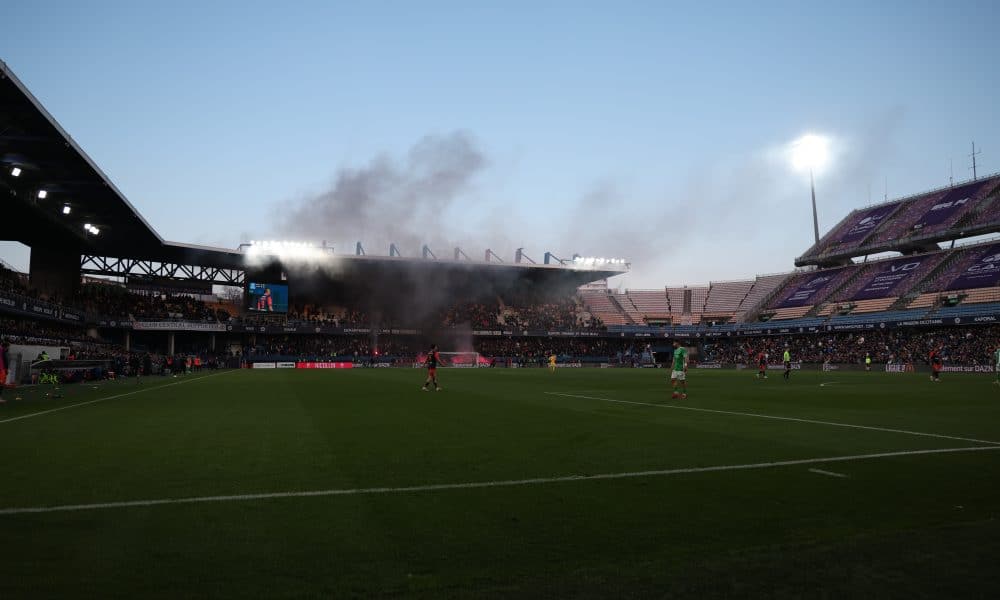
(936,363)
(762,365)
(265,303)
(433,359)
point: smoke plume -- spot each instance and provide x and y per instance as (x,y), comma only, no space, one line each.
(392,200)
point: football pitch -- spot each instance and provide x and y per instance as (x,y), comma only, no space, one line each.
(583,483)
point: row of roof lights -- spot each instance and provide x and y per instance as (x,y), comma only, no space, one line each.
(280,244)
(66,209)
(593,260)
(16,172)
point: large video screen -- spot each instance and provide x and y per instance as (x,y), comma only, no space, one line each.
(267,297)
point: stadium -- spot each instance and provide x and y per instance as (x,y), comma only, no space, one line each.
(186,421)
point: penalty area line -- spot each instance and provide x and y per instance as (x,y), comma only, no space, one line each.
(480,484)
(777,418)
(95,401)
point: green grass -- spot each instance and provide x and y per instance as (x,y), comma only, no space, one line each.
(902,526)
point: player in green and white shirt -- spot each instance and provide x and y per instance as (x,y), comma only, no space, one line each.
(679,373)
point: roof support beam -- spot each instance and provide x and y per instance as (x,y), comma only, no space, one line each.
(123,267)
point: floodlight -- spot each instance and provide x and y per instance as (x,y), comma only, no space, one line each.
(810,152)
(42,194)
(15,172)
(66,209)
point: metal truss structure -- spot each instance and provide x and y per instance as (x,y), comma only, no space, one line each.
(124,267)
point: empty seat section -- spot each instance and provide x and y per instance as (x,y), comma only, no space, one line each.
(601,306)
(651,304)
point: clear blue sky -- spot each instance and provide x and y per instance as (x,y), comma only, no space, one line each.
(639,129)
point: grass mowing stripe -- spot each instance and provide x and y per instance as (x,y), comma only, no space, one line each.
(122,395)
(484,484)
(777,418)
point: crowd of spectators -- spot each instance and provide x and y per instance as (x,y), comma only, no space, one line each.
(475,314)
(179,307)
(114,301)
(406,348)
(478,315)
(110,300)
(331,316)
(543,316)
(323,347)
(28,331)
(964,346)
(564,348)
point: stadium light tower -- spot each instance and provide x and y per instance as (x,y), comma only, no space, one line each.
(812,191)
(811,153)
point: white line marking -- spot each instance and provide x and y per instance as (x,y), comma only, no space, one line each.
(139,391)
(482,484)
(776,418)
(829,473)
(824,384)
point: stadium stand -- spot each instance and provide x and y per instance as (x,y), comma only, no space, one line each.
(790,312)
(687,303)
(925,300)
(651,304)
(952,277)
(600,305)
(763,289)
(675,299)
(987,212)
(978,295)
(936,211)
(854,229)
(901,224)
(915,222)
(724,297)
(881,279)
(719,301)
(809,289)
(873,305)
(632,314)
(699,295)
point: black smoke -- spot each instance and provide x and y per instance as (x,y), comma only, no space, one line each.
(392,200)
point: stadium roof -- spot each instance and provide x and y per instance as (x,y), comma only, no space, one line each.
(53,165)
(53,173)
